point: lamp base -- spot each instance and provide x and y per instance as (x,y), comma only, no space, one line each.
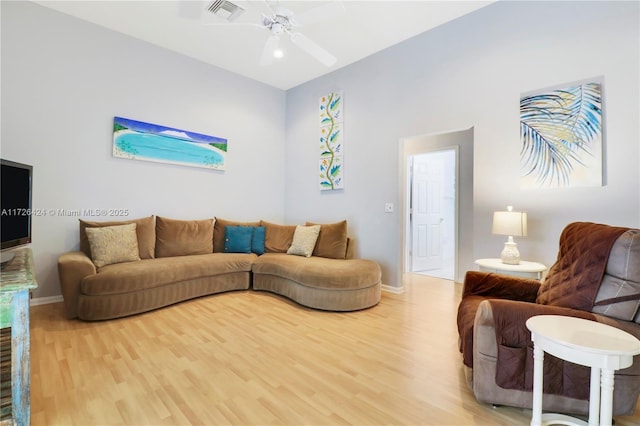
(510,254)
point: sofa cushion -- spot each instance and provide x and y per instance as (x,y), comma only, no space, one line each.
(151,273)
(332,241)
(237,239)
(304,240)
(219,234)
(145,230)
(278,238)
(113,244)
(183,237)
(257,240)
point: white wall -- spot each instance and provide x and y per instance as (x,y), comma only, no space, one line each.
(470,73)
(63,81)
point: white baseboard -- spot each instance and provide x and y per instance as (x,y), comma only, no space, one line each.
(46,300)
(391,289)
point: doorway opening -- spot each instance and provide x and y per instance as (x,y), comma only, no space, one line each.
(432,214)
(461,142)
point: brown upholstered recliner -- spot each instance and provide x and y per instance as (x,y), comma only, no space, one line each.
(596,277)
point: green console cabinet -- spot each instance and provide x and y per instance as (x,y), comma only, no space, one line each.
(17,279)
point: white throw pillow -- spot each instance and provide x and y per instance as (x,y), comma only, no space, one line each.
(304,240)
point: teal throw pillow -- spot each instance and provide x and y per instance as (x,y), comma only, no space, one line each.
(257,242)
(237,239)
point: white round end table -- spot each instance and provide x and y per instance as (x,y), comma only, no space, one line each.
(589,343)
(524,269)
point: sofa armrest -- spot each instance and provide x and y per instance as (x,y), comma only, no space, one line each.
(479,286)
(484,331)
(498,286)
(72,268)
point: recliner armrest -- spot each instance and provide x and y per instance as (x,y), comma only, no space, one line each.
(496,286)
(73,267)
(485,338)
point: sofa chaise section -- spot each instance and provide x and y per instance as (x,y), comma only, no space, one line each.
(320,283)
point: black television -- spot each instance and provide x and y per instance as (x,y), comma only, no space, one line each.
(15,207)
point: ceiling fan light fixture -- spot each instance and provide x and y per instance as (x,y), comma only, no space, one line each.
(277,28)
(278,53)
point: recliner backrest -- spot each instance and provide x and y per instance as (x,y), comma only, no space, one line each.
(619,294)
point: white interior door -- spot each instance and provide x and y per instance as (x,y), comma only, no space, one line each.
(427,212)
(457,202)
(433,201)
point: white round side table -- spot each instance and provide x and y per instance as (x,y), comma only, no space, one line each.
(589,343)
(524,269)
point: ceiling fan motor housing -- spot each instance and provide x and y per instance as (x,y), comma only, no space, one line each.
(279,23)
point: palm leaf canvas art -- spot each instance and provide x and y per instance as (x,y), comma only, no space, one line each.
(561,135)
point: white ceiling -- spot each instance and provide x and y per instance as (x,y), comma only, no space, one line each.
(366,27)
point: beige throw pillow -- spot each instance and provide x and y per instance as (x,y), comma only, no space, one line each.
(113,244)
(145,229)
(304,240)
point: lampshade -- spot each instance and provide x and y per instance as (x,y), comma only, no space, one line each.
(510,223)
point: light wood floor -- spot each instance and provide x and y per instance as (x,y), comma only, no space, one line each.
(252,358)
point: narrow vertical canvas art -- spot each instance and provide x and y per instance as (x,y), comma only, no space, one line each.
(331,141)
(561,136)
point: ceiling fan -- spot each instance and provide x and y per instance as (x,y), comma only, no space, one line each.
(280,21)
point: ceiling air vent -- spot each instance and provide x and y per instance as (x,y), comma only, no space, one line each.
(225,9)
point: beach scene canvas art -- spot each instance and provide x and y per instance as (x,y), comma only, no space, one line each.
(152,142)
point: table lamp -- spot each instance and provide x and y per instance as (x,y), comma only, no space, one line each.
(512,224)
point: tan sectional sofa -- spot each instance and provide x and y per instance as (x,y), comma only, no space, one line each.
(129,267)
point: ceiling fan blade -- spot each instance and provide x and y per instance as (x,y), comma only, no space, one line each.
(313,49)
(271,10)
(329,10)
(267,50)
